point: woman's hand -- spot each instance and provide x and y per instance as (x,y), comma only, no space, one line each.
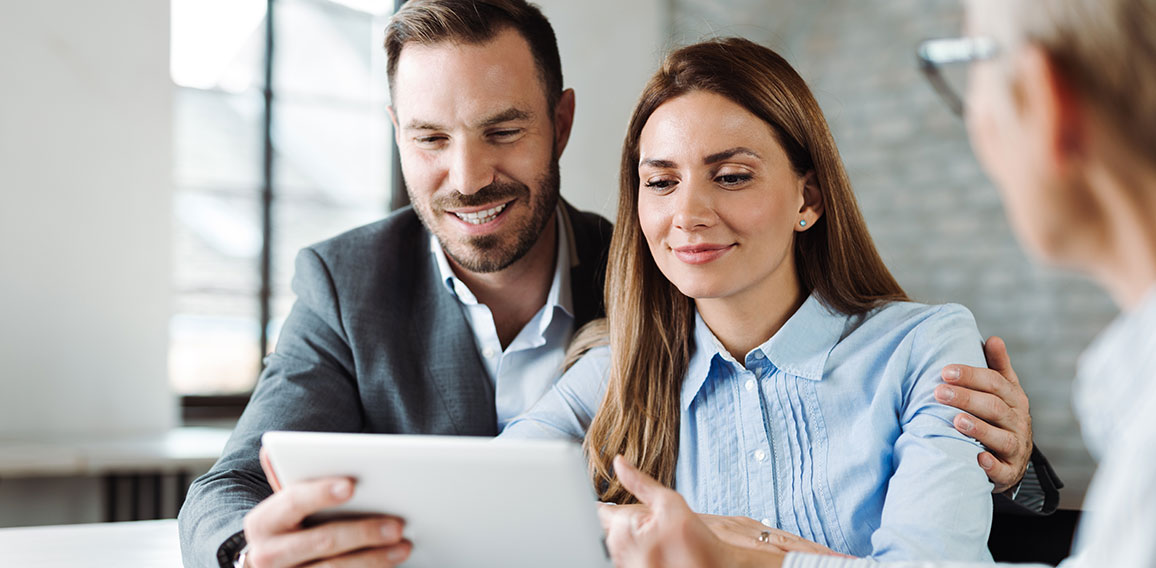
(666,533)
(747,532)
(737,531)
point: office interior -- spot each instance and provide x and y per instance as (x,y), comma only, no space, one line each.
(139,211)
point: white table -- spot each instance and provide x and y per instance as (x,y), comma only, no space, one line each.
(141,544)
(138,461)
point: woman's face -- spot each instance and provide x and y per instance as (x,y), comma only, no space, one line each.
(718,201)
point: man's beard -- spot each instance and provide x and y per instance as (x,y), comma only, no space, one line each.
(494,252)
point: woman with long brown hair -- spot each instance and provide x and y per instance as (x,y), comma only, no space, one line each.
(762,360)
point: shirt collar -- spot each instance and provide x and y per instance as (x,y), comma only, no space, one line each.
(560,291)
(799,348)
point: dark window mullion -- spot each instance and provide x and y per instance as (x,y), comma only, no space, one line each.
(267,189)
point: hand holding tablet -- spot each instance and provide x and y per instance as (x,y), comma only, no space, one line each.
(464,501)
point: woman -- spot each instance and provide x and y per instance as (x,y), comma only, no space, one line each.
(762,359)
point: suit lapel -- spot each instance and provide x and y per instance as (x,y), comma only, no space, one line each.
(452,362)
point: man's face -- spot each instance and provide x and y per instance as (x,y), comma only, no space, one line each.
(478,147)
(1012,133)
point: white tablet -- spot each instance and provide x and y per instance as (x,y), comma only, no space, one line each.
(467,501)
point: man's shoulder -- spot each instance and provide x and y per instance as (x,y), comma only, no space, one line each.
(399,231)
(591,231)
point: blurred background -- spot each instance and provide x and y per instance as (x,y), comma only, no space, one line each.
(161,164)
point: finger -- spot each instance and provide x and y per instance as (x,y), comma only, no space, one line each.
(1003,443)
(1002,475)
(608,514)
(374,557)
(645,488)
(284,510)
(987,407)
(995,351)
(326,541)
(267,465)
(981,379)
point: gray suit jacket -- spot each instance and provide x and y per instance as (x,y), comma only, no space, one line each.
(374,343)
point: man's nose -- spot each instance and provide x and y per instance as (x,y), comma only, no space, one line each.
(471,168)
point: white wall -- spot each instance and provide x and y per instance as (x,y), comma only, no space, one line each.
(609,49)
(85,230)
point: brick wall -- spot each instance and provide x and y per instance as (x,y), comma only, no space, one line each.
(934,215)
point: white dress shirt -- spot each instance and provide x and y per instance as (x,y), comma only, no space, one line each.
(1115,398)
(528,366)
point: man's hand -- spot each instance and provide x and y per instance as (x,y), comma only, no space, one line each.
(277,539)
(666,533)
(995,397)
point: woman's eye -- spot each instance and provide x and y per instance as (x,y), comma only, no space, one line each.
(733,179)
(660,183)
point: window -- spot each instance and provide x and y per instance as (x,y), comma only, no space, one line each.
(272,154)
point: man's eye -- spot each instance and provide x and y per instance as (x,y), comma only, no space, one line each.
(510,133)
(429,140)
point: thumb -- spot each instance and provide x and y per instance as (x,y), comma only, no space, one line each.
(645,488)
(267,465)
(995,351)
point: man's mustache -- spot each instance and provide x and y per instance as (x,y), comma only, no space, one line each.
(497,191)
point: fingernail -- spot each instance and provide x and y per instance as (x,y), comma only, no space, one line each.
(966,424)
(951,374)
(986,462)
(390,530)
(945,394)
(341,489)
(397,554)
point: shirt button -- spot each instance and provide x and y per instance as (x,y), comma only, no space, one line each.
(750,384)
(760,455)
(489,352)
(766,522)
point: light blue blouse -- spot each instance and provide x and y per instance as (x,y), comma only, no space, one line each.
(829,431)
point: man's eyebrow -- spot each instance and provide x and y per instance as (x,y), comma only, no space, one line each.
(729,153)
(656,163)
(422,125)
(507,115)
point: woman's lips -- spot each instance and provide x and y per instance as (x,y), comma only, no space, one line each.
(701,254)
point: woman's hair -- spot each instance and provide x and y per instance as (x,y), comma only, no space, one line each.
(650,323)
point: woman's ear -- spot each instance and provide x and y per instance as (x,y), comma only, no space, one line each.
(812,208)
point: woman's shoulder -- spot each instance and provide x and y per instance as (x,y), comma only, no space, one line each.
(909,317)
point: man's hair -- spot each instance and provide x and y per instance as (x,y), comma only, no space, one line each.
(474,22)
(1107,49)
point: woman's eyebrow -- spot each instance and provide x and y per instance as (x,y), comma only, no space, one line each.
(656,163)
(730,153)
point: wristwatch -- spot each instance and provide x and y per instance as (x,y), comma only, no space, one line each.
(239,558)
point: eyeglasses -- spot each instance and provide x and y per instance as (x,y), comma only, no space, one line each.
(936,54)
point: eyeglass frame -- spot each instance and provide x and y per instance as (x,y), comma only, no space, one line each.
(934,54)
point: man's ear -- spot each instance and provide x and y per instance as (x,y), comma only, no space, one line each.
(1051,105)
(812,207)
(563,120)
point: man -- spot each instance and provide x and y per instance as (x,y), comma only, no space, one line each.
(451,317)
(1062,114)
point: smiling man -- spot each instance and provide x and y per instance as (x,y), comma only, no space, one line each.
(450,317)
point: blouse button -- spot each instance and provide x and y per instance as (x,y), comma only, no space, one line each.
(760,455)
(750,384)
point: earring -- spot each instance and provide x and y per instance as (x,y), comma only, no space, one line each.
(802,222)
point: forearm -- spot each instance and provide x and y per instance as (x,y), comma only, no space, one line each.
(213,513)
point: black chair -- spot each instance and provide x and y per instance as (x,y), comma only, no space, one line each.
(1024,538)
